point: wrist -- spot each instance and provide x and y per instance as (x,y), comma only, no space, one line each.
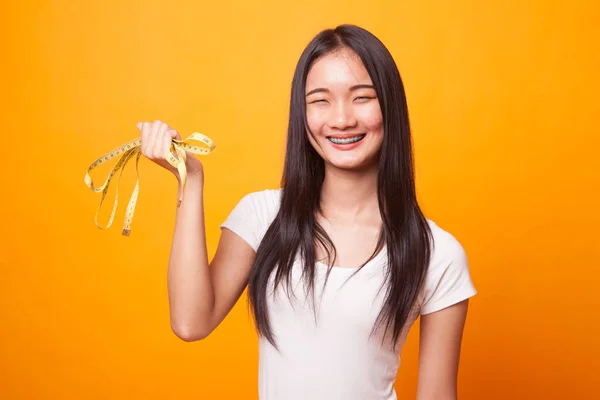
(193,178)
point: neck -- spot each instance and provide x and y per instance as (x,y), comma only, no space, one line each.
(350,195)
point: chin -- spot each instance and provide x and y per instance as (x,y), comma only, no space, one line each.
(350,164)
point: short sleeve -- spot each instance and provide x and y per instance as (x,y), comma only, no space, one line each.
(252,215)
(448,280)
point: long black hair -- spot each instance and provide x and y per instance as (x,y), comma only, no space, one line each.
(405,232)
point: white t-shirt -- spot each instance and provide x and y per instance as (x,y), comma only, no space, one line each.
(331,356)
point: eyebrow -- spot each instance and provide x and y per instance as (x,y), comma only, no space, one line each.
(355,87)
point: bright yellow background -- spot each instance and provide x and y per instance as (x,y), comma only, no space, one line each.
(504,106)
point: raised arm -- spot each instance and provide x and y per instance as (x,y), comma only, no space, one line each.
(200,296)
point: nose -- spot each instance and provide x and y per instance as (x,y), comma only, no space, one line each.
(342,116)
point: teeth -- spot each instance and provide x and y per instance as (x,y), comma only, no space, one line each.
(346,140)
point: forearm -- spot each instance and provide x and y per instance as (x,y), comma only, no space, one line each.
(191,295)
(439,394)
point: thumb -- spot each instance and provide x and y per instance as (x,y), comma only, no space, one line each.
(174,134)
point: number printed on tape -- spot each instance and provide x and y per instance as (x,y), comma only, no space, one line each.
(133,148)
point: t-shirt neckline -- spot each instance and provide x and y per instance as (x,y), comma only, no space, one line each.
(373,261)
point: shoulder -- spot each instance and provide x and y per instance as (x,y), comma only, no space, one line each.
(253,214)
(448,278)
(445,246)
(264,203)
(264,198)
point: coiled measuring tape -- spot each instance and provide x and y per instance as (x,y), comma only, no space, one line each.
(133,148)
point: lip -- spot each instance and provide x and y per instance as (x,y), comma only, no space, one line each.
(346,147)
(345,136)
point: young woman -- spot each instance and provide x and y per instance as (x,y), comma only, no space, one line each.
(340,261)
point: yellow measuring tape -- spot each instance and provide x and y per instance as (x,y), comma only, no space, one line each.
(133,148)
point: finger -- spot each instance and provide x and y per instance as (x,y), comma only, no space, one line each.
(158,144)
(139,125)
(145,137)
(153,137)
(175,134)
(165,142)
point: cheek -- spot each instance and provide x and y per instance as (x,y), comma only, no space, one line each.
(315,126)
(315,121)
(372,119)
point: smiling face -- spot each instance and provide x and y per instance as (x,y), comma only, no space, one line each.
(343,111)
